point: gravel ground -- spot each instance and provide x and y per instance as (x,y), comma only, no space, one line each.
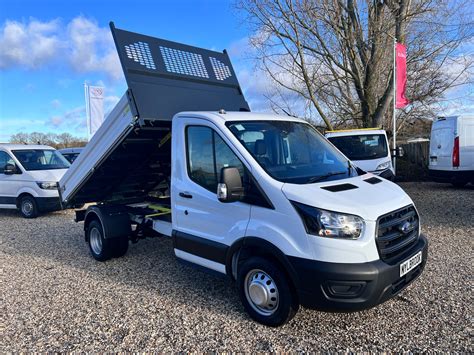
(55,297)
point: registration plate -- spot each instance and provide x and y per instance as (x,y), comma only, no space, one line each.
(410,264)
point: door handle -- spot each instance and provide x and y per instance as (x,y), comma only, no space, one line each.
(185,195)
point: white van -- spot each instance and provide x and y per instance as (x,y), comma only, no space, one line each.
(263,199)
(452,150)
(29,176)
(367,148)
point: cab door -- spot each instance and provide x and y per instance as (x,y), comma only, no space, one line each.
(441,144)
(9,184)
(204,227)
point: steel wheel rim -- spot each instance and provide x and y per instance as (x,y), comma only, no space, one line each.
(261,292)
(27,207)
(95,240)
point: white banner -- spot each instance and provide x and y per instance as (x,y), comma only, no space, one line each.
(94,108)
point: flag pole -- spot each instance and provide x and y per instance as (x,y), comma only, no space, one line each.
(394,142)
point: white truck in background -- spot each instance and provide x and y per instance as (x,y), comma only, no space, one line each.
(367,148)
(263,199)
(451,156)
(29,174)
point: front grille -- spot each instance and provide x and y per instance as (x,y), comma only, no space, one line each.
(397,232)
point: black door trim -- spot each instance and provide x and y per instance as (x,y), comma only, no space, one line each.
(201,247)
(5,200)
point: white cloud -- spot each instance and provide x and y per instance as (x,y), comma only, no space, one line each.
(6,123)
(110,102)
(92,48)
(81,44)
(55,103)
(74,119)
(29,45)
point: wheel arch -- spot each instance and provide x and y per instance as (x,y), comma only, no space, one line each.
(114,220)
(247,247)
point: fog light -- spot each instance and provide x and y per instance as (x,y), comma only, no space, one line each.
(345,289)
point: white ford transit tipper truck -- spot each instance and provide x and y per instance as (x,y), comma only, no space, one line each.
(263,199)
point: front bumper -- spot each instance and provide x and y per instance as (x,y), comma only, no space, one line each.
(352,287)
(48,204)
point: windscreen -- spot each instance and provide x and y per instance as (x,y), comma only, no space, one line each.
(41,159)
(292,151)
(362,147)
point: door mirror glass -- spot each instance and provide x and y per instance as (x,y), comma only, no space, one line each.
(9,169)
(230,188)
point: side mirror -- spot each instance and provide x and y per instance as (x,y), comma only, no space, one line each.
(230,187)
(9,169)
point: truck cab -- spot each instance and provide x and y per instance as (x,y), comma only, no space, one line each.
(265,200)
(368,148)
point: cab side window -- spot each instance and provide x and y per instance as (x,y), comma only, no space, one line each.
(4,160)
(207,154)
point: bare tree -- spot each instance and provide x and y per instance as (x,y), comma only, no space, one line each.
(41,138)
(20,138)
(64,140)
(58,141)
(336,55)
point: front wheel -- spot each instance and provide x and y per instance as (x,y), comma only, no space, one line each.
(265,292)
(28,207)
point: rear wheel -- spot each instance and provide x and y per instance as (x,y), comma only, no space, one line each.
(100,247)
(265,292)
(459,184)
(120,246)
(28,207)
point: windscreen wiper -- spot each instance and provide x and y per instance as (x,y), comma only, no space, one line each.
(325,176)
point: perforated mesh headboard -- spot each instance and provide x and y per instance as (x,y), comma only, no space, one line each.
(166,77)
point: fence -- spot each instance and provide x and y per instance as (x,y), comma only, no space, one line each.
(417,153)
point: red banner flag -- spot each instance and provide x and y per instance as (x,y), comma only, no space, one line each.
(401,63)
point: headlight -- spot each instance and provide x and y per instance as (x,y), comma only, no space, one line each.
(329,224)
(383,165)
(47,185)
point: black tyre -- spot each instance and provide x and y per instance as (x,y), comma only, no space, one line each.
(459,184)
(120,246)
(265,292)
(28,207)
(101,249)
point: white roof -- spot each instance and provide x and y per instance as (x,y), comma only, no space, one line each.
(240,116)
(355,132)
(13,146)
